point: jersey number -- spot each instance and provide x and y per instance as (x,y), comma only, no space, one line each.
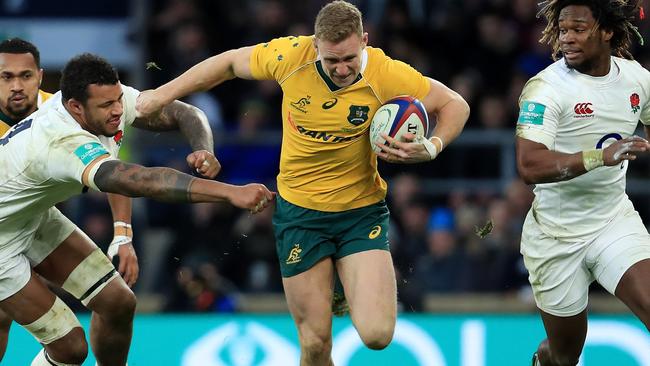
(21,126)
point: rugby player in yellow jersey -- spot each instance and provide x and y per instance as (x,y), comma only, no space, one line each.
(330,213)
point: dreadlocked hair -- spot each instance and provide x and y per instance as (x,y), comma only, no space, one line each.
(614,15)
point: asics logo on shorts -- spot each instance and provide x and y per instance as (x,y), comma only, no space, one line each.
(294,254)
(375,232)
(583,109)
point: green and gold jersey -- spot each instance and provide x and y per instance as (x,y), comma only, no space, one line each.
(6,122)
(326,162)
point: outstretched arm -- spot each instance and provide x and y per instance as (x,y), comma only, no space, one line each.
(193,124)
(202,76)
(191,121)
(169,185)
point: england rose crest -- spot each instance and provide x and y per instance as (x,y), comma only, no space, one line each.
(634,102)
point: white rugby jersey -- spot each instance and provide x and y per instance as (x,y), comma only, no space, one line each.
(570,112)
(42,159)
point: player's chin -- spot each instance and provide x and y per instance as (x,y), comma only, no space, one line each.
(110,132)
(19,109)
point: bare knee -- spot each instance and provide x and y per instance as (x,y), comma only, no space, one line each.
(124,306)
(116,304)
(72,348)
(315,343)
(377,336)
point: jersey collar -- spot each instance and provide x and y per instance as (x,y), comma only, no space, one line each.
(8,120)
(330,84)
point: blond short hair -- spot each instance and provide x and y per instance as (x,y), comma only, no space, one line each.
(338,20)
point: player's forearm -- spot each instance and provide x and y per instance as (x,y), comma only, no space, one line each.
(194,125)
(120,207)
(201,77)
(162,184)
(451,120)
(545,166)
(121,211)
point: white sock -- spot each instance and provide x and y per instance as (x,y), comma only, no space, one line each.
(42,359)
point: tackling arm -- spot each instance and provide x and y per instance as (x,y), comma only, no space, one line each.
(169,185)
(191,121)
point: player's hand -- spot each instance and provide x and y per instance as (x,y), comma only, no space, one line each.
(128,268)
(204,163)
(625,149)
(409,151)
(148,103)
(254,197)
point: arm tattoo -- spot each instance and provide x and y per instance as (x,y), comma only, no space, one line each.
(162,184)
(190,120)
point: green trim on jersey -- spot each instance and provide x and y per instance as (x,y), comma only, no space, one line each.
(330,84)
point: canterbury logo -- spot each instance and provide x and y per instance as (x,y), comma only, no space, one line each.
(583,109)
(375,232)
(294,254)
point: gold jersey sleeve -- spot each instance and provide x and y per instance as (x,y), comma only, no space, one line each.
(326,161)
(278,58)
(6,125)
(392,78)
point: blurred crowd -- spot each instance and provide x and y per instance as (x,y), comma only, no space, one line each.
(201,257)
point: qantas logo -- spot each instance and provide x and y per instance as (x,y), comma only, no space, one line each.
(583,110)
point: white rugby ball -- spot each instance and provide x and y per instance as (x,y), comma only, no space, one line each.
(397,117)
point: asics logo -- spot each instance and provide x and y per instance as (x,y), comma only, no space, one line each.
(583,109)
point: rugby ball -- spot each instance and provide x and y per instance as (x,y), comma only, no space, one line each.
(396,118)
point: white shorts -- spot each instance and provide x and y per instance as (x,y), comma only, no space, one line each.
(49,233)
(561,270)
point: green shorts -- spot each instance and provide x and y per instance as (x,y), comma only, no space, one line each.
(303,236)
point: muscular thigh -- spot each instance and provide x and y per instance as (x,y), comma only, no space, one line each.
(309,297)
(30,302)
(58,265)
(368,279)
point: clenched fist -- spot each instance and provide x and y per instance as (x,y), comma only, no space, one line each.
(253,197)
(204,163)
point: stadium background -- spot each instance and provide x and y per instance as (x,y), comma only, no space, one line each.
(461,295)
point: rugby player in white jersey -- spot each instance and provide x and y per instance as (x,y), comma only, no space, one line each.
(53,155)
(575,139)
(20,80)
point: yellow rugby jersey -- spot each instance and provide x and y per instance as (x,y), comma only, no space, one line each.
(6,122)
(326,162)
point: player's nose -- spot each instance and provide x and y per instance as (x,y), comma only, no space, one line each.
(17,85)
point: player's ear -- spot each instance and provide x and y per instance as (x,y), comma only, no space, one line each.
(364,40)
(40,77)
(74,106)
(607,34)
